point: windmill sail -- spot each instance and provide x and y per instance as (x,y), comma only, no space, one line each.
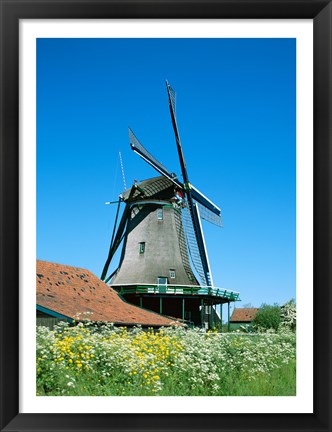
(202,247)
(204,201)
(171,99)
(138,148)
(190,194)
(192,245)
(209,216)
(194,249)
(117,240)
(208,210)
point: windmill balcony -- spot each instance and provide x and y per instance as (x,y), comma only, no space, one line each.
(190,290)
(194,304)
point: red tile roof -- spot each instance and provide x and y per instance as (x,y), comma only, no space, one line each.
(79,294)
(244,314)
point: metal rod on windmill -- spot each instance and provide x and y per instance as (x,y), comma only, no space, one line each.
(122,171)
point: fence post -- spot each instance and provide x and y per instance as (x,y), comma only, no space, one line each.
(202,312)
(220,317)
(229,325)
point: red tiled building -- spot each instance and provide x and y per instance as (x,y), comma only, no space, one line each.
(73,293)
(242,317)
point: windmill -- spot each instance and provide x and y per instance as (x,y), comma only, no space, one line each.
(163,242)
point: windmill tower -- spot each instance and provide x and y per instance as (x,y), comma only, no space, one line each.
(164,264)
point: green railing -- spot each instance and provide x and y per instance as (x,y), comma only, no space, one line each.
(178,290)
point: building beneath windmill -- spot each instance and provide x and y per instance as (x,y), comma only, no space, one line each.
(73,294)
(164,264)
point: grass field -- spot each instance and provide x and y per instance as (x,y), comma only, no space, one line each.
(87,360)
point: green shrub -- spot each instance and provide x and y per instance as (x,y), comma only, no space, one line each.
(268,317)
(89,360)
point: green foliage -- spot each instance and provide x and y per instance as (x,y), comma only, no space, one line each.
(288,316)
(268,317)
(224,328)
(102,360)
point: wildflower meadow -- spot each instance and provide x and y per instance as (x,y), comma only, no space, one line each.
(91,360)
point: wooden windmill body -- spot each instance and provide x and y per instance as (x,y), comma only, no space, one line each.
(164,264)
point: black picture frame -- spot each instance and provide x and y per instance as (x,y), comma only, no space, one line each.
(14,10)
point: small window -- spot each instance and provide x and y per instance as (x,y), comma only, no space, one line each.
(172,274)
(142,247)
(162,280)
(160,215)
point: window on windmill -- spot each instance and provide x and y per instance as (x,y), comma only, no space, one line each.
(162,280)
(142,247)
(160,215)
(172,273)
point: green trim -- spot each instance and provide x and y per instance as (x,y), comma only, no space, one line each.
(187,185)
(202,312)
(53,313)
(139,189)
(229,324)
(221,317)
(178,290)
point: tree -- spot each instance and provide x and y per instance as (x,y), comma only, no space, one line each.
(267,317)
(288,315)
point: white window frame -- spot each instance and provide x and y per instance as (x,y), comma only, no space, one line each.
(159,281)
(141,248)
(160,214)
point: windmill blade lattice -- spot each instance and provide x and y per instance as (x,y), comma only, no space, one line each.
(209,216)
(138,148)
(172,96)
(192,245)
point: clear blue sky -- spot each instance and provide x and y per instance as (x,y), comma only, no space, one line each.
(236,115)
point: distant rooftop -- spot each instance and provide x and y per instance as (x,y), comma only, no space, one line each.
(79,294)
(244,314)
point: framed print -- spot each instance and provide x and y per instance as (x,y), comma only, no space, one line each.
(255,76)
